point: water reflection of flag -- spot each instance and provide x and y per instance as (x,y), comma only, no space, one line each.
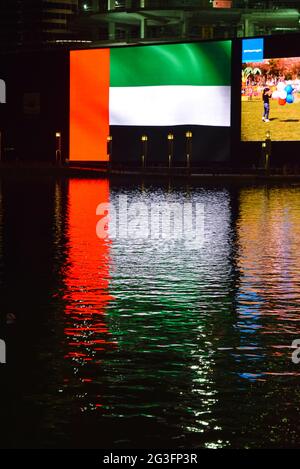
(87,273)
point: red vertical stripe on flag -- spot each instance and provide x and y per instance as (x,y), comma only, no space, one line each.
(89,104)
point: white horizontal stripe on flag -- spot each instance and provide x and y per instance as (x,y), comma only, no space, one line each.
(170,105)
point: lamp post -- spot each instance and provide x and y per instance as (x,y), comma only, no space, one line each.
(189,137)
(109,149)
(144,140)
(170,148)
(58,146)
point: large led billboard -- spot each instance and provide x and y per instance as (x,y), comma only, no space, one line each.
(148,87)
(270,96)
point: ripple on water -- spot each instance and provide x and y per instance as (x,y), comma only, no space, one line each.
(148,343)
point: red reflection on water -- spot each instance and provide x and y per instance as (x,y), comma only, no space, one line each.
(87,276)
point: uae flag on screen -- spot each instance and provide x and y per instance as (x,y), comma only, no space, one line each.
(146,86)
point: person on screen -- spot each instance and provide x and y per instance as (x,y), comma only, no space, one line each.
(267,93)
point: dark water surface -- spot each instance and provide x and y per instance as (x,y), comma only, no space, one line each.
(126,343)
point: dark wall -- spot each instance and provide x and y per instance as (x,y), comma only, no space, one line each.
(37,87)
(209,144)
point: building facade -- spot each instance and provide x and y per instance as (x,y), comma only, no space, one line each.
(33,24)
(126,21)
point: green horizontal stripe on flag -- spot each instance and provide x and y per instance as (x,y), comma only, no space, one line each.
(199,64)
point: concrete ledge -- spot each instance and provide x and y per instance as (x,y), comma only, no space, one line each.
(208,174)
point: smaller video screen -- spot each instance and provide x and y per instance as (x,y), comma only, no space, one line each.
(270,96)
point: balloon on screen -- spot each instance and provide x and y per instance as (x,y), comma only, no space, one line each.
(282,94)
(282,102)
(290,99)
(289,89)
(275,94)
(281,86)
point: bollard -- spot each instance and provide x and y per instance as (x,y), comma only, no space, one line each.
(144,140)
(109,150)
(170,149)
(58,156)
(0,146)
(268,151)
(189,136)
(2,352)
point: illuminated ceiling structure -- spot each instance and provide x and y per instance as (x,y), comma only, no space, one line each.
(126,21)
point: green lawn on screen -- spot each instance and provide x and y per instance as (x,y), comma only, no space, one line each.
(284,121)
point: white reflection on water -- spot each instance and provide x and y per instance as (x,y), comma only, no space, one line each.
(166,301)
